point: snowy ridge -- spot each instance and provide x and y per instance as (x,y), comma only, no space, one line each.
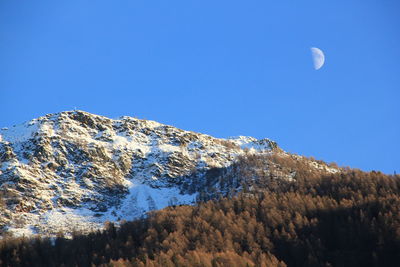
(75,170)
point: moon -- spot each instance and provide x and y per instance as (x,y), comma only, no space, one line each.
(318,57)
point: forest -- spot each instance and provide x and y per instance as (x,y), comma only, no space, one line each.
(316,218)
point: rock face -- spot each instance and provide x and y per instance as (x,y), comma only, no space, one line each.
(74,170)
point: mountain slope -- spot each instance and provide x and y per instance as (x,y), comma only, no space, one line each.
(76,170)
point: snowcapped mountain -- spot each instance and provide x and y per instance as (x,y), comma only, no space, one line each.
(75,170)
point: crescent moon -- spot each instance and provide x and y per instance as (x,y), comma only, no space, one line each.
(318,57)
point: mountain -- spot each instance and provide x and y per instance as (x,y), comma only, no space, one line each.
(66,174)
(76,170)
(73,171)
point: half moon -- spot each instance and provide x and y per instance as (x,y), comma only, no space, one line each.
(318,57)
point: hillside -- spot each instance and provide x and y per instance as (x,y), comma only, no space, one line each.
(74,170)
(348,218)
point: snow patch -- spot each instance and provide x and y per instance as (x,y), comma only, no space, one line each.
(19,133)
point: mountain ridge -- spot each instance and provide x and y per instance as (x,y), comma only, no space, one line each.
(76,170)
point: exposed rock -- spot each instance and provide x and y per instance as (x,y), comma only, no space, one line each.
(78,167)
(74,170)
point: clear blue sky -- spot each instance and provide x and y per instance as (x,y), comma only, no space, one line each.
(224,68)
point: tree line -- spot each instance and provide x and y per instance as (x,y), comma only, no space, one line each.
(316,218)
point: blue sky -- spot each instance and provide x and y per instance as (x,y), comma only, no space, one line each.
(224,68)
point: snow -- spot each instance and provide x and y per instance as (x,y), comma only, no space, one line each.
(139,142)
(19,133)
(146,149)
(143,198)
(251,143)
(25,231)
(140,200)
(167,148)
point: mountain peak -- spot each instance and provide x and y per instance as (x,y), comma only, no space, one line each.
(76,169)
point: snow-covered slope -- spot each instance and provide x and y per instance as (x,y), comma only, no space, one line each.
(74,170)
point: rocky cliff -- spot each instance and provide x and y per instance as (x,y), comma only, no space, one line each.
(75,170)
